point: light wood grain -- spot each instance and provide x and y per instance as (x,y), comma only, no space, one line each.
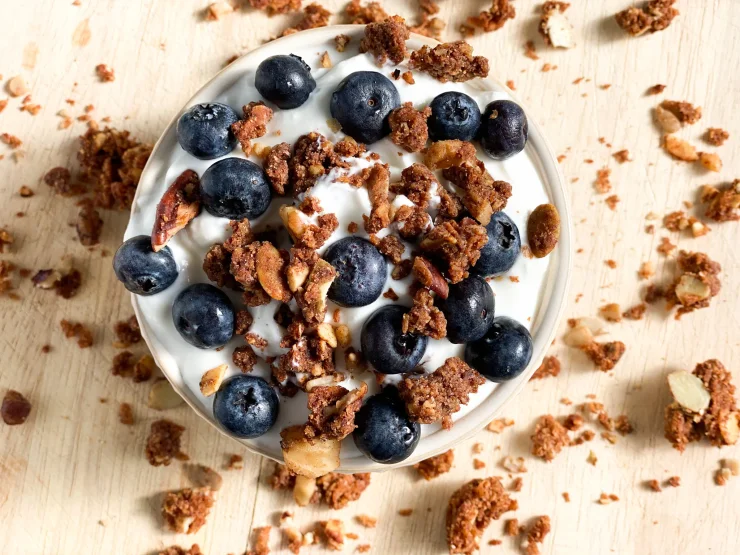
(73,480)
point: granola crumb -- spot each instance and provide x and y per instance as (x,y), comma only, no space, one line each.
(79,331)
(654,16)
(536,535)
(654,485)
(602,183)
(261,541)
(549,438)
(655,89)
(636,312)
(186,510)
(495,17)
(499,425)
(452,61)
(622,156)
(341,42)
(235,462)
(550,367)
(105,73)
(605,355)
(15,408)
(126,414)
(566,496)
(716,136)
(674,481)
(684,111)
(405,512)
(409,127)
(367,521)
(163,443)
(471,509)
(314,16)
(435,466)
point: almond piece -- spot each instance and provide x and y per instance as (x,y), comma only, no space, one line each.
(689,392)
(17,86)
(579,336)
(691,290)
(179,204)
(543,230)
(323,381)
(303,490)
(211,380)
(729,427)
(294,221)
(666,120)
(313,301)
(309,458)
(271,272)
(344,336)
(163,397)
(710,161)
(429,276)
(557,29)
(326,332)
(217,10)
(679,149)
(297,274)
(611,312)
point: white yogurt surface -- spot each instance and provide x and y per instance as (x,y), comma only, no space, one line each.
(519,300)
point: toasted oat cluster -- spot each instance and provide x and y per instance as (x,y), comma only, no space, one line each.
(471,509)
(696,285)
(654,16)
(435,466)
(494,18)
(185,511)
(451,61)
(386,40)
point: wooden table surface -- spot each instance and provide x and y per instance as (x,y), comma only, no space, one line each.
(74,480)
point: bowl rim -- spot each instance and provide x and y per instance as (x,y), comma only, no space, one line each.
(554,294)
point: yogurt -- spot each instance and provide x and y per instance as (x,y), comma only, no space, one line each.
(518,298)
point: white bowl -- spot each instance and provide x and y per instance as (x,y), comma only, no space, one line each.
(544,322)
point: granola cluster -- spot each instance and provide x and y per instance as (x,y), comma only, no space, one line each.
(435,466)
(494,18)
(696,285)
(409,127)
(654,16)
(253,125)
(386,40)
(451,61)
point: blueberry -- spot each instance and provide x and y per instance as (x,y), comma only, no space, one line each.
(468,309)
(504,129)
(205,130)
(361,272)
(141,270)
(503,353)
(454,116)
(246,406)
(362,103)
(384,345)
(384,432)
(235,188)
(502,249)
(285,81)
(204,316)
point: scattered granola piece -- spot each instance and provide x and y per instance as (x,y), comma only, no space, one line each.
(696,285)
(622,156)
(211,380)
(679,149)
(333,533)
(409,127)
(723,202)
(666,247)
(602,183)
(452,61)
(337,490)
(435,397)
(332,410)
(655,89)
(6,238)
(636,312)
(362,15)
(684,111)
(611,312)
(674,481)
(367,521)
(716,136)
(499,425)
(470,511)
(536,535)
(177,550)
(550,367)
(543,230)
(495,17)
(341,42)
(253,125)
(261,542)
(573,422)
(654,16)
(80,331)
(235,462)
(549,438)
(15,408)
(667,120)
(11,140)
(163,443)
(710,161)
(435,466)
(275,7)
(554,27)
(605,355)
(386,40)
(314,16)
(308,457)
(105,73)
(186,510)
(163,397)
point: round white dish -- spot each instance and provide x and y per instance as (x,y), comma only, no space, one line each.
(158,174)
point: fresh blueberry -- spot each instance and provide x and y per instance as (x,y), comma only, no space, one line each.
(141,270)
(235,188)
(502,249)
(389,350)
(504,129)
(205,130)
(362,103)
(361,272)
(454,116)
(246,406)
(384,432)
(204,316)
(468,309)
(285,81)
(503,353)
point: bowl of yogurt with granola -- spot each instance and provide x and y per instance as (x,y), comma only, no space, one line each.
(350,249)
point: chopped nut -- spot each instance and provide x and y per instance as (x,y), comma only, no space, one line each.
(15,408)
(179,204)
(667,120)
(211,380)
(270,266)
(309,457)
(679,149)
(543,230)
(163,397)
(611,312)
(710,161)
(304,490)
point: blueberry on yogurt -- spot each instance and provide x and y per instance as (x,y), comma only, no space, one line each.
(204,316)
(502,249)
(285,81)
(468,309)
(504,129)
(141,270)
(386,347)
(503,352)
(361,272)
(454,116)
(205,130)
(362,103)
(235,188)
(246,406)
(384,431)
